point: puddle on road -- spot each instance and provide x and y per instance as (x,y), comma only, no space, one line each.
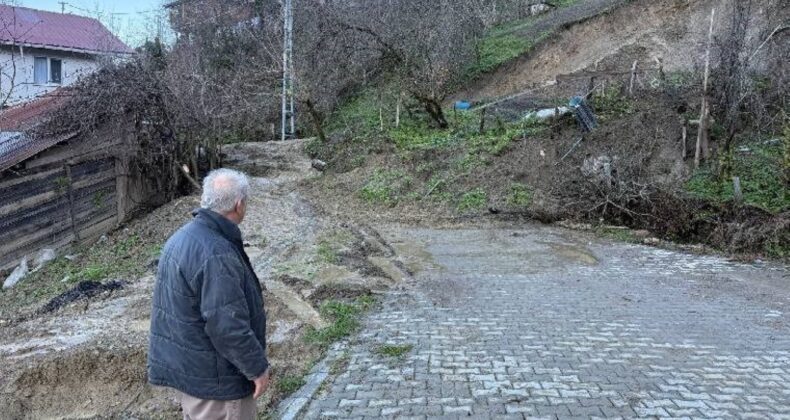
(334,274)
(415,257)
(573,253)
(498,252)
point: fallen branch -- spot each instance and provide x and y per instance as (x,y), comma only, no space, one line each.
(778,29)
(185,171)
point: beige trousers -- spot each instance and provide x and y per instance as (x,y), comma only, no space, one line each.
(197,409)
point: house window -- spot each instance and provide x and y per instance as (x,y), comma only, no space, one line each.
(40,70)
(55,71)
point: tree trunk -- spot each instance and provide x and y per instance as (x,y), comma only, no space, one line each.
(727,162)
(397,110)
(684,139)
(435,111)
(703,146)
(315,117)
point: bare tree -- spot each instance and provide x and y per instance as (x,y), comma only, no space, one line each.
(330,60)
(222,77)
(9,68)
(423,46)
(741,98)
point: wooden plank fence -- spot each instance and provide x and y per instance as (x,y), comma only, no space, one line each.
(52,204)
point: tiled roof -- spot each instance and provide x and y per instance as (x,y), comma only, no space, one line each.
(62,31)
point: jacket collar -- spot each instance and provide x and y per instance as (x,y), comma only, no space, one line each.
(219,223)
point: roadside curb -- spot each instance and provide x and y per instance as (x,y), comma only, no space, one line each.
(290,408)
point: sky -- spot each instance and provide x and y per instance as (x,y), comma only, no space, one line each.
(133,21)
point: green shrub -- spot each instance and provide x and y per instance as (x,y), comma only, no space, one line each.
(290,383)
(495,142)
(519,195)
(326,253)
(612,103)
(386,187)
(761,176)
(317,149)
(473,200)
(94,273)
(344,317)
(411,136)
(359,115)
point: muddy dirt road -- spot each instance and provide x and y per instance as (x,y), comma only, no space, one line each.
(87,360)
(541,322)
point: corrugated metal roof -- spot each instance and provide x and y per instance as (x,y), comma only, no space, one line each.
(15,144)
(16,147)
(63,31)
(23,116)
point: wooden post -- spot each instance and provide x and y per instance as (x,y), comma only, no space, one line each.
(121,188)
(737,193)
(397,110)
(70,191)
(633,78)
(195,169)
(381,110)
(703,147)
(660,65)
(685,137)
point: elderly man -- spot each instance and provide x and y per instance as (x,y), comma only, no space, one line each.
(208,326)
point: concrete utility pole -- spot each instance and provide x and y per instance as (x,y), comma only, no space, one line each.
(62,6)
(288,114)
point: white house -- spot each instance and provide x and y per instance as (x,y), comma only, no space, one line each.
(41,51)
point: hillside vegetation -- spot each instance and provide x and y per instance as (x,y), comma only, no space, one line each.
(376,84)
(488,162)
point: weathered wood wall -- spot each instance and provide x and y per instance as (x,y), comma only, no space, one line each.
(73,192)
(54,204)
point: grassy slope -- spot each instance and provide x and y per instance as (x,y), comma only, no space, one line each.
(760,170)
(509,41)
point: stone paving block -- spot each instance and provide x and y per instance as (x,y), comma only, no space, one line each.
(617,339)
(516,408)
(464,409)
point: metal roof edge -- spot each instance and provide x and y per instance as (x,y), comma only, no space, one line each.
(35,149)
(67,49)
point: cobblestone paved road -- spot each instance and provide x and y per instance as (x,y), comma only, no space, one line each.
(554,324)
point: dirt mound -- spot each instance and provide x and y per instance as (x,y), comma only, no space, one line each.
(82,384)
(337,292)
(669,32)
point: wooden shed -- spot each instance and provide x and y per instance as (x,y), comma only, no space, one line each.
(69,189)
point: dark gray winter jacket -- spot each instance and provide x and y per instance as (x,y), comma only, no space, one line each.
(208,326)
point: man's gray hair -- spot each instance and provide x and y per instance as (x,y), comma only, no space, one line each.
(222,189)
